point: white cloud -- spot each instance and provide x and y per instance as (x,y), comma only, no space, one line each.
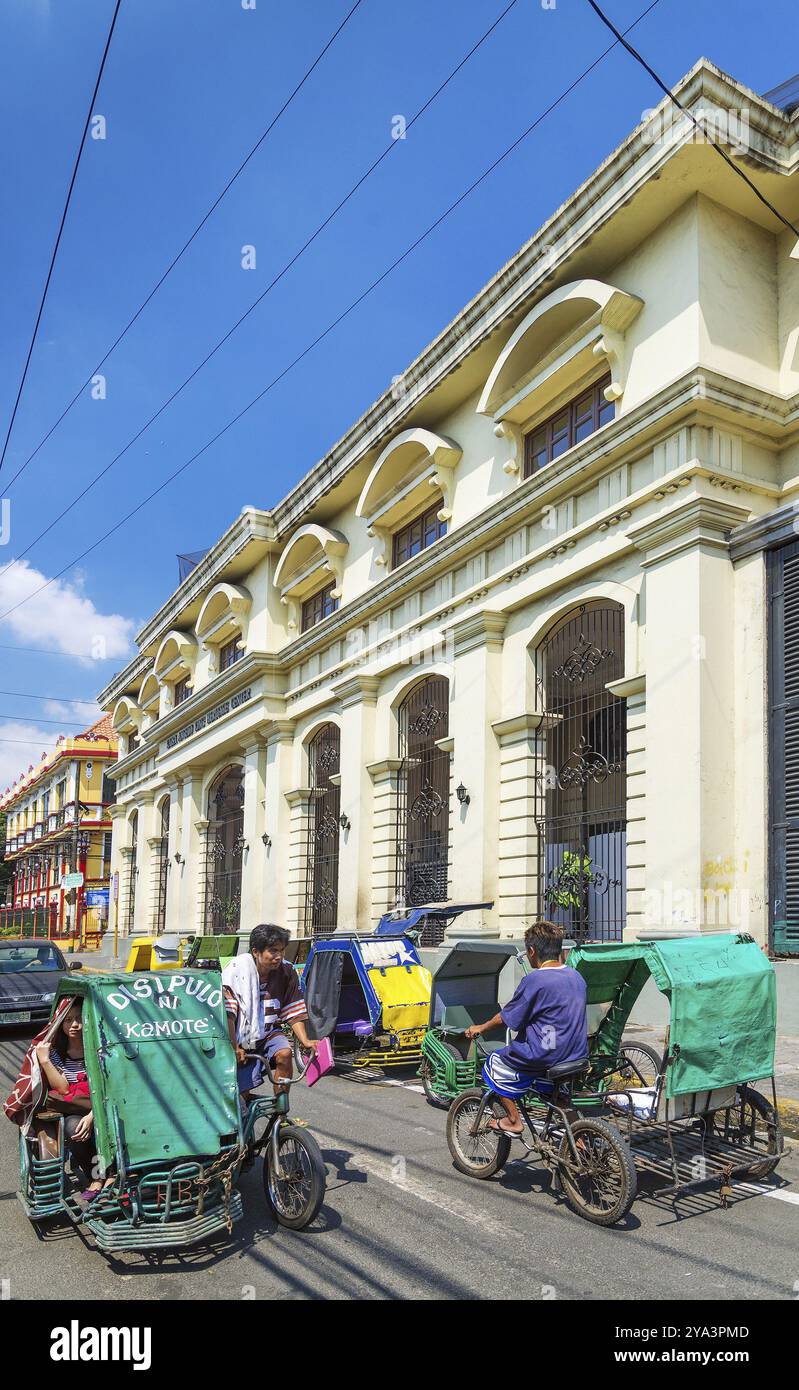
(61,616)
(20,745)
(84,714)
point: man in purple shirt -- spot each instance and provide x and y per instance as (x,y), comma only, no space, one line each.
(548,1015)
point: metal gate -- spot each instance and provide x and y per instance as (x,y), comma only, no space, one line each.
(163,868)
(581,782)
(321,890)
(423,795)
(132,872)
(224,851)
(783,680)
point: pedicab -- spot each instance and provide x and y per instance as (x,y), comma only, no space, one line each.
(170,1135)
(214,952)
(596,1124)
(466,990)
(370,993)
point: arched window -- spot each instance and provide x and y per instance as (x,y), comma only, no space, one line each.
(163,865)
(321,896)
(581,775)
(224,852)
(132,869)
(423,792)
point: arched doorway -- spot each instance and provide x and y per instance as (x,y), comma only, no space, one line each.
(423,795)
(225,848)
(132,869)
(321,905)
(581,777)
(163,865)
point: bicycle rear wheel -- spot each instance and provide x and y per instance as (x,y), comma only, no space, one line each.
(602,1186)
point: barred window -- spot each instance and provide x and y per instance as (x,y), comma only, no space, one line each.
(320,605)
(418,535)
(229,654)
(182,691)
(574,422)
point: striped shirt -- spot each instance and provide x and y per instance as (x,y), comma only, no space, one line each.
(74,1068)
(280,999)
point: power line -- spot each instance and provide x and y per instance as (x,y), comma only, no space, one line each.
(50,651)
(188,242)
(60,231)
(275,281)
(39,720)
(330,327)
(58,699)
(696,124)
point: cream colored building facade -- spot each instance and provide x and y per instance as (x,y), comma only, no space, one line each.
(562,702)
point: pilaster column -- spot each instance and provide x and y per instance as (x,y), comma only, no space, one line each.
(358,703)
(384,776)
(518,889)
(298,801)
(475,703)
(690,706)
(253,871)
(193,838)
(173,878)
(277,820)
(632,689)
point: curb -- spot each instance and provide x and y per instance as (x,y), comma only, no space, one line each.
(788,1111)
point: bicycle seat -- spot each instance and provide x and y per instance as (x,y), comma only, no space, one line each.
(564,1069)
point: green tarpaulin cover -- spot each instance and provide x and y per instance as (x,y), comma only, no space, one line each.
(722,991)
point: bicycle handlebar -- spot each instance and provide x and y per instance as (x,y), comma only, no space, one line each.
(282,1081)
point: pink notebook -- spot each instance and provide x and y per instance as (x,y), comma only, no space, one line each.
(322,1062)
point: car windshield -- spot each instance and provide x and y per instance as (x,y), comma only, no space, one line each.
(16,958)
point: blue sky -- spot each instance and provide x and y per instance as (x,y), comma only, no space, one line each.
(188,87)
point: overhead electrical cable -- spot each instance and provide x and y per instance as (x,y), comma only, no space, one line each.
(184,248)
(57,243)
(275,281)
(326,331)
(698,125)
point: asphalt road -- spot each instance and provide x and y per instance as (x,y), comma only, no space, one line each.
(400,1222)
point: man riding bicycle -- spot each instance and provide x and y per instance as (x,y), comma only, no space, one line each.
(548,1015)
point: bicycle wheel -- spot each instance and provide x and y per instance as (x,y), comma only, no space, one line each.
(479,1155)
(602,1189)
(640,1056)
(427,1072)
(296,1191)
(753,1123)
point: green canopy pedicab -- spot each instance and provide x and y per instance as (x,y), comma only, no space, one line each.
(695,1117)
(168,1124)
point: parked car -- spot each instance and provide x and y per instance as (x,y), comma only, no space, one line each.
(30,971)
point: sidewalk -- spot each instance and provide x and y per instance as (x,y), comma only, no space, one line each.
(786,1072)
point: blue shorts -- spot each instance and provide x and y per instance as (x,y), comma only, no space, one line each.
(251,1074)
(506,1079)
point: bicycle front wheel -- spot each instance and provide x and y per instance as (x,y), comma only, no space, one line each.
(477,1150)
(296,1191)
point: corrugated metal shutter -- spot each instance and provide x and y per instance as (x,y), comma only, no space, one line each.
(783,576)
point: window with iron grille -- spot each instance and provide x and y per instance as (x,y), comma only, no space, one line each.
(181,691)
(132,870)
(417,535)
(423,797)
(224,852)
(581,775)
(163,866)
(321,893)
(230,654)
(319,606)
(571,424)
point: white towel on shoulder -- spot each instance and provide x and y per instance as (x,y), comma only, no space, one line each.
(241,976)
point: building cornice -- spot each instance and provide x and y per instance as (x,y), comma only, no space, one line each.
(773,147)
(765,532)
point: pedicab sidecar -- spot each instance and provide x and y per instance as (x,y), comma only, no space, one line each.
(370,993)
(168,1127)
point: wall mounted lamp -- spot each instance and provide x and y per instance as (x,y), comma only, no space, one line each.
(344,821)
(267,839)
(179,858)
(462,794)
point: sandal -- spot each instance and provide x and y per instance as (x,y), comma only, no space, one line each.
(499,1128)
